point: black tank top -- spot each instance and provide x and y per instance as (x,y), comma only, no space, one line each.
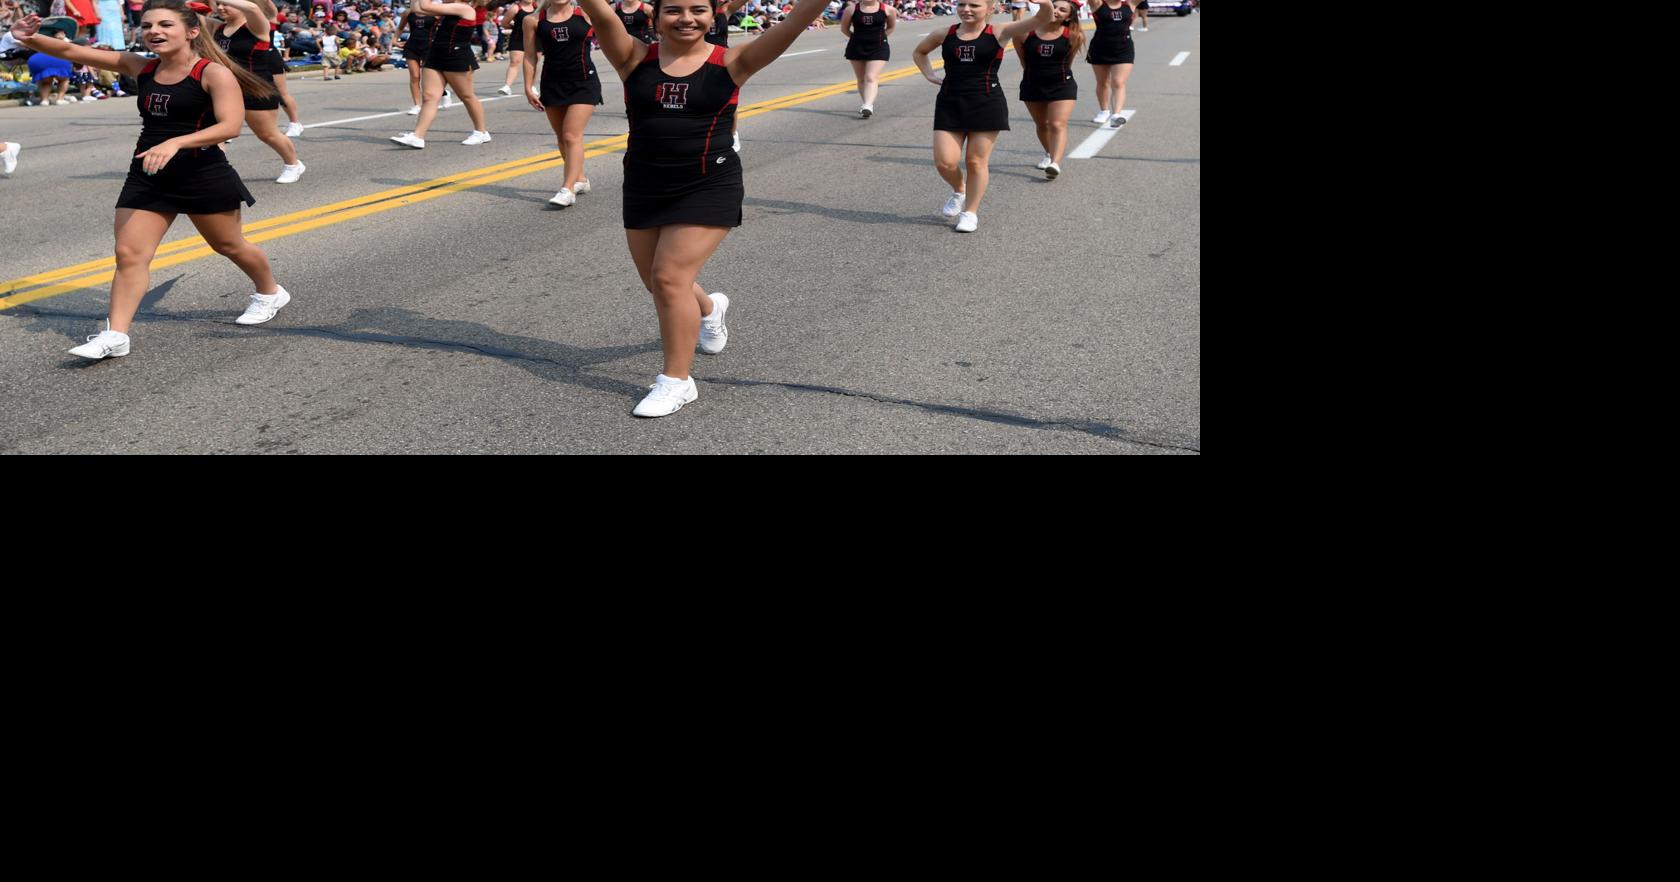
(454,31)
(565,49)
(971,67)
(718,35)
(869,29)
(1045,62)
(638,23)
(680,125)
(247,51)
(173,111)
(519,21)
(419,31)
(1113,25)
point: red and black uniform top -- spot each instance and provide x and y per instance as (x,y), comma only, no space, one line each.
(1114,26)
(565,49)
(680,126)
(456,32)
(869,29)
(971,66)
(175,110)
(718,34)
(1045,62)
(638,23)
(248,52)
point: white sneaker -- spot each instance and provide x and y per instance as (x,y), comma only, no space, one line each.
(505,90)
(1145,30)
(866,111)
(263,307)
(582,187)
(8,157)
(953,205)
(476,138)
(1045,162)
(290,173)
(714,334)
(668,396)
(1101,117)
(295,130)
(414,111)
(1051,171)
(105,344)
(968,222)
(737,142)
(1116,121)
(447,102)
(409,139)
(563,198)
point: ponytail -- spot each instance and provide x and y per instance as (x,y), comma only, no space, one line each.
(204,46)
(1075,31)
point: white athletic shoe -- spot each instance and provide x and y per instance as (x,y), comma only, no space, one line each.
(476,138)
(1145,30)
(448,101)
(289,174)
(737,142)
(714,334)
(295,130)
(668,396)
(866,111)
(414,111)
(953,205)
(582,187)
(505,90)
(1045,162)
(409,139)
(105,344)
(1101,117)
(564,198)
(8,157)
(968,222)
(1116,121)
(1051,171)
(263,307)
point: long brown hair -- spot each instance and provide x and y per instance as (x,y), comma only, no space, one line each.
(1075,31)
(204,46)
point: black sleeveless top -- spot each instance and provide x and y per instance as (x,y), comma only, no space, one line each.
(519,22)
(173,111)
(1045,62)
(247,51)
(971,66)
(565,49)
(638,23)
(680,126)
(454,31)
(419,35)
(1114,26)
(869,29)
(718,35)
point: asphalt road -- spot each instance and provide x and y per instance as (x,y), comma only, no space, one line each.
(468,317)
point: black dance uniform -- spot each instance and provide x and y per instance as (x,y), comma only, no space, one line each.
(869,36)
(198,180)
(255,56)
(419,42)
(516,43)
(451,50)
(276,62)
(568,71)
(971,100)
(718,34)
(1112,43)
(638,23)
(1044,65)
(680,167)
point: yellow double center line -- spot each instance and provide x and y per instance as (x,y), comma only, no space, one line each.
(40,286)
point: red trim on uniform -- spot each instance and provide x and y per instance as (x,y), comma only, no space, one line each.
(717,56)
(652,53)
(715,117)
(151,67)
(952,32)
(198,69)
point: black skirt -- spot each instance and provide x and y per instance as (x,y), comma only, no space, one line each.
(559,93)
(270,103)
(854,52)
(208,186)
(654,200)
(417,50)
(1123,52)
(445,60)
(974,112)
(1051,90)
